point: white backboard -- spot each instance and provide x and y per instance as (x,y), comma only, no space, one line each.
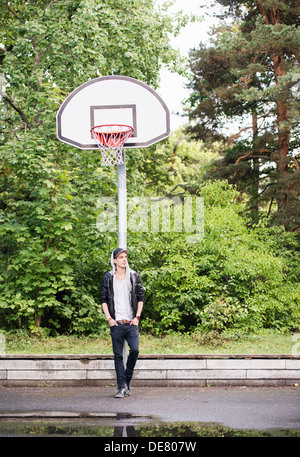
(113,100)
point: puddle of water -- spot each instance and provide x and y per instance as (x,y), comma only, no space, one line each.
(126,426)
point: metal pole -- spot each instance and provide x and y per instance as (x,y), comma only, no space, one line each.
(122,220)
(122,205)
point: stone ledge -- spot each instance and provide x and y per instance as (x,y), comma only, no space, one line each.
(162,369)
(150,356)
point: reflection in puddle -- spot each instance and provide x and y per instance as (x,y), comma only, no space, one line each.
(126,425)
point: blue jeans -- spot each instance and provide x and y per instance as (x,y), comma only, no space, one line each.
(119,334)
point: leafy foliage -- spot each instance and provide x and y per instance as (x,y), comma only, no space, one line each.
(52,256)
(233,280)
(50,251)
(247,77)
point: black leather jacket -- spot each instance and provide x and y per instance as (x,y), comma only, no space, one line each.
(107,292)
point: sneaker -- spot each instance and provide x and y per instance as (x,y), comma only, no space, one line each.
(121,393)
(127,390)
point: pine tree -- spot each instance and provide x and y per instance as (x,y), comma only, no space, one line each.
(250,72)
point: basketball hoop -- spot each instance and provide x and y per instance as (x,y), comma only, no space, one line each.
(110,140)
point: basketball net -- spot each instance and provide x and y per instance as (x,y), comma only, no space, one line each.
(110,140)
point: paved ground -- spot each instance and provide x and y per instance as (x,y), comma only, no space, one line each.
(259,408)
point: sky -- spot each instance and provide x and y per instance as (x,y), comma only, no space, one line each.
(172,88)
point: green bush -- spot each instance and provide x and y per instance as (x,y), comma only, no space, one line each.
(232,279)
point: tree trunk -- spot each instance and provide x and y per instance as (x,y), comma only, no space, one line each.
(255,166)
(282,111)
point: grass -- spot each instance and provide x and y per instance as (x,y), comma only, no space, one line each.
(266,342)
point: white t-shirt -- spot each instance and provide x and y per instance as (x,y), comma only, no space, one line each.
(123,309)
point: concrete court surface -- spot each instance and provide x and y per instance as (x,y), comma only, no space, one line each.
(256,408)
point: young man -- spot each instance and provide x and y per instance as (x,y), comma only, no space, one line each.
(122,297)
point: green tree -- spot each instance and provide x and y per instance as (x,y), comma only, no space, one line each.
(50,251)
(177,164)
(247,75)
(237,279)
